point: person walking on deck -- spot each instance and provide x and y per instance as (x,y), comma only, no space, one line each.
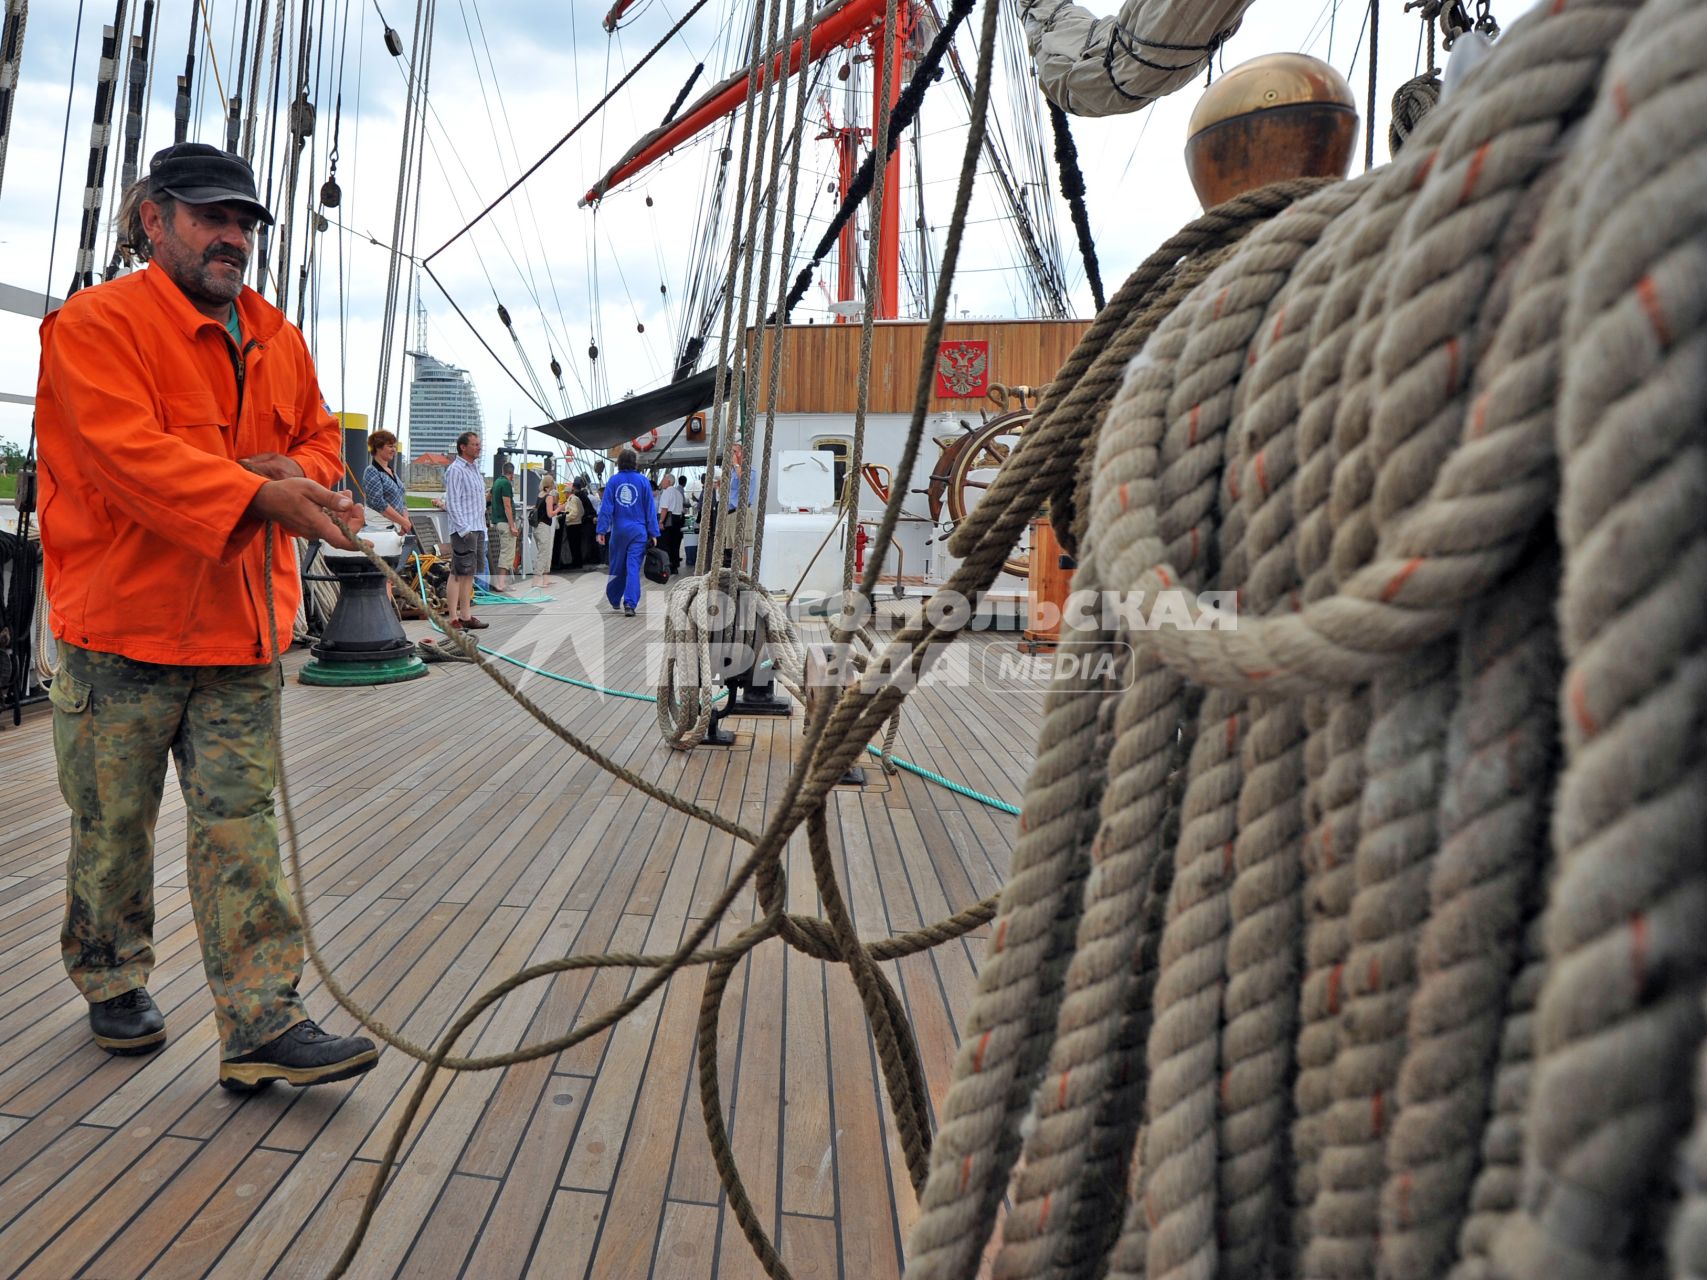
(183,441)
(628,524)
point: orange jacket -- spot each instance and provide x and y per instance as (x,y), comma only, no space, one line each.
(147,551)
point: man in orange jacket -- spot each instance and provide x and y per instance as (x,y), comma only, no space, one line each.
(181,428)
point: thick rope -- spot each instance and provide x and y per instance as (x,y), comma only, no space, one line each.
(1632,798)
(1380,502)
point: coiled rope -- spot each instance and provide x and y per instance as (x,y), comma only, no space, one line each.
(1361,421)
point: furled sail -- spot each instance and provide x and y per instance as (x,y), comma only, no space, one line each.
(1095,66)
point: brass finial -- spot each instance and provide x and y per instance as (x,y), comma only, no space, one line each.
(1280,116)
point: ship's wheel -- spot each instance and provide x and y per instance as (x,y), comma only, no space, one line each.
(973,469)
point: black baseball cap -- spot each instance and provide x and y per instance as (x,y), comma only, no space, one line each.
(197,173)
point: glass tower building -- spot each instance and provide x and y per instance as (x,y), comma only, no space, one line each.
(442,405)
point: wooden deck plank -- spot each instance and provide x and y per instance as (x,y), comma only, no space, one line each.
(185,1198)
(441,1249)
(808,1151)
(123,1198)
(693,1175)
(809,1247)
(687,1244)
(530,1180)
(570,1235)
(865,1190)
(195,1249)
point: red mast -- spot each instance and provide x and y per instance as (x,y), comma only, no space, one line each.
(843,25)
(846,138)
(891,45)
(615,14)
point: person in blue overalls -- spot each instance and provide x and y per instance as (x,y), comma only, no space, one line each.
(628,524)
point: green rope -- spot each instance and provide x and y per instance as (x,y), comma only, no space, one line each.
(579,684)
(956,787)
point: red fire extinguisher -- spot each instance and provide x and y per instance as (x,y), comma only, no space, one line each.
(861,539)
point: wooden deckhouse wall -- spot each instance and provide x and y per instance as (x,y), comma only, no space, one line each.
(820,368)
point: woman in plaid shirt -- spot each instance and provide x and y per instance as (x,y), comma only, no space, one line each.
(382,491)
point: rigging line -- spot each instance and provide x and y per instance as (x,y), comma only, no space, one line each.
(716,430)
(1073,188)
(248,71)
(124,71)
(672,319)
(254,81)
(533,213)
(265,170)
(650,346)
(100,144)
(1317,25)
(699,304)
(53,244)
(1357,48)
(1374,66)
(481,338)
(601,372)
(450,189)
(422,141)
(492,128)
(521,352)
(558,337)
(905,111)
(576,127)
(212,56)
(343,234)
(886,133)
(181,99)
(311,235)
(301,120)
(148,90)
(999,169)
(404,164)
(195,102)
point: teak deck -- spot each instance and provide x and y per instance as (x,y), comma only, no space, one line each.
(448,842)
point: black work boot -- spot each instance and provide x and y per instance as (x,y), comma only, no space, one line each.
(302,1056)
(129,1024)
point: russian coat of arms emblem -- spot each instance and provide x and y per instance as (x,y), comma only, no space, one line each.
(963,369)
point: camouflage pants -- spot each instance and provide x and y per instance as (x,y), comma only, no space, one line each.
(114,721)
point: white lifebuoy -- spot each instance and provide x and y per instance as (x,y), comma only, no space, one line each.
(647,442)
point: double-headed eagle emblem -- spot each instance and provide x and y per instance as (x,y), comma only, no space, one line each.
(962,368)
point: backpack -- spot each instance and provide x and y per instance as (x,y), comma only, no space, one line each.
(656,565)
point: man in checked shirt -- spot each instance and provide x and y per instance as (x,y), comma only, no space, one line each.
(465,500)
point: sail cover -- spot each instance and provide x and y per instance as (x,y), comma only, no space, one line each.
(1095,66)
(613,424)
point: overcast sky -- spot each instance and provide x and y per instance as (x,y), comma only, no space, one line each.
(508,78)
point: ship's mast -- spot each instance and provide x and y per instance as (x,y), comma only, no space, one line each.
(847,23)
(846,139)
(890,47)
